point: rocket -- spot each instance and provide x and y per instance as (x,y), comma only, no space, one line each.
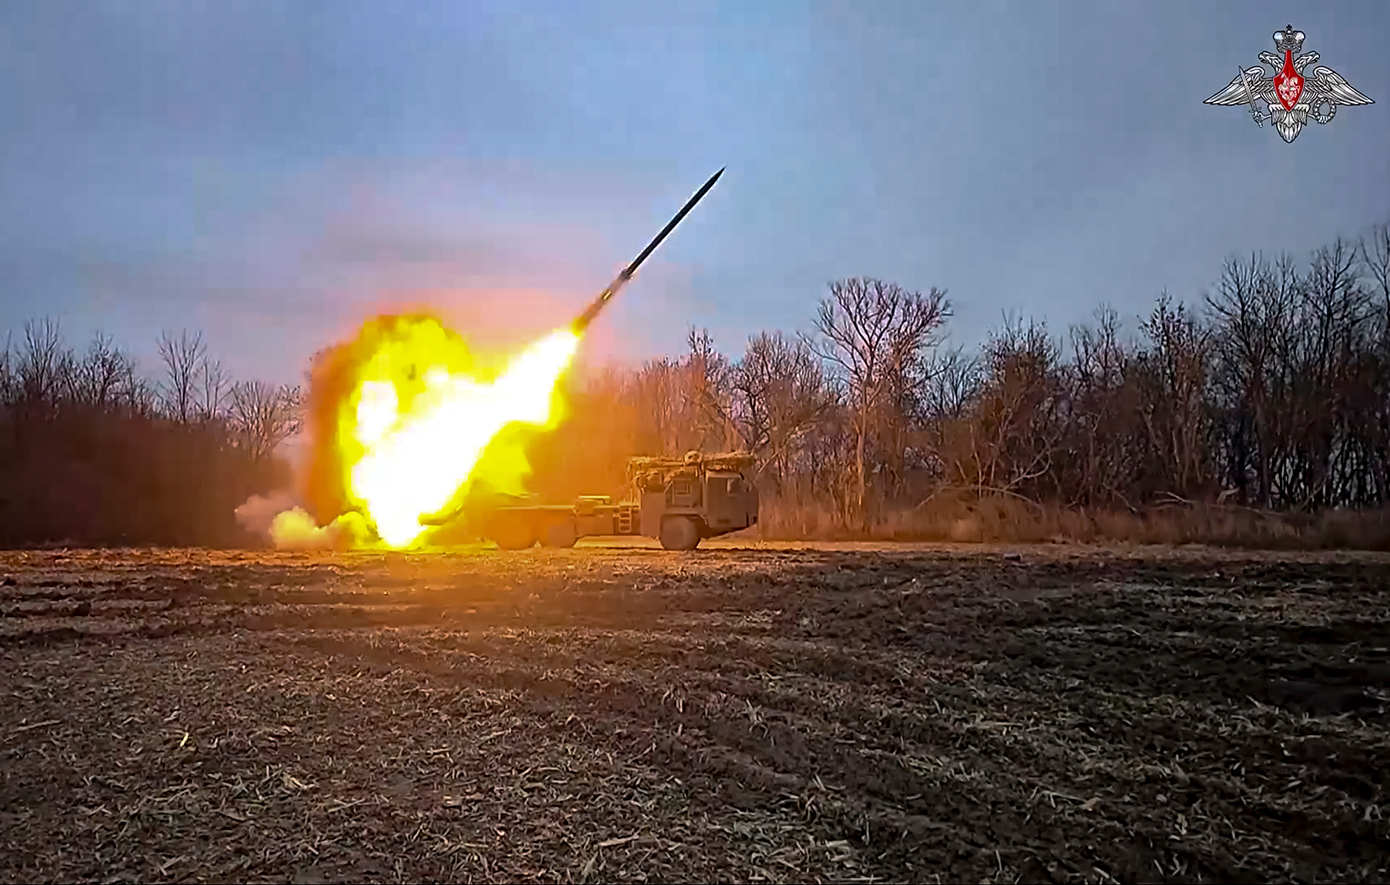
(599,303)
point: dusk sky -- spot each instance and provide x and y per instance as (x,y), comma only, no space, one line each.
(274,173)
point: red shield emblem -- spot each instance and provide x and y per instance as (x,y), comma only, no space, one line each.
(1288,83)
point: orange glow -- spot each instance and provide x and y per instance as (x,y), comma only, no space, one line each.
(413,432)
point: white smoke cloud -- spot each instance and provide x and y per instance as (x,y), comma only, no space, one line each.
(278,518)
(259,512)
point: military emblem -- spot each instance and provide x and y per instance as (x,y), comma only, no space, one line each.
(1289,98)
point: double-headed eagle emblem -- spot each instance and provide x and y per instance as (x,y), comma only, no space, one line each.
(1289,98)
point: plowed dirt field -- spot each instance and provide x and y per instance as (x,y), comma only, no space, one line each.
(811,713)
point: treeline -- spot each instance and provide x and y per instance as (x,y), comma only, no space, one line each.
(1260,413)
(95,451)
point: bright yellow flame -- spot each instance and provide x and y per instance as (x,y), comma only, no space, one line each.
(414,432)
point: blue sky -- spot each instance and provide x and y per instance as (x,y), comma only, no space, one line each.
(273,173)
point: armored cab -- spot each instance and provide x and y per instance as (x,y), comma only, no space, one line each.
(698,496)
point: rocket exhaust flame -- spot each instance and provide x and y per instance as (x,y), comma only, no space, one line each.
(414,428)
(582,322)
(419,455)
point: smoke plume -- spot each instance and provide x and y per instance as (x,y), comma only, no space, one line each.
(278,519)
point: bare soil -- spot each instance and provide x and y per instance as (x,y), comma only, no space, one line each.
(768,713)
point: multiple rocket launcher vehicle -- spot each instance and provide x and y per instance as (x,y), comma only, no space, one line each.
(677,501)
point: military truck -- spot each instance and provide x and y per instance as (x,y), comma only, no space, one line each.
(678,501)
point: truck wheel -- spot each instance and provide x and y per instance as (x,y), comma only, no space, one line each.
(515,536)
(679,533)
(561,534)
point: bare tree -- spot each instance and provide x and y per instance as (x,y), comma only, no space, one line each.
(706,384)
(9,375)
(105,374)
(953,382)
(264,415)
(873,335)
(1172,375)
(1375,257)
(1101,412)
(42,366)
(656,390)
(1375,368)
(780,395)
(183,356)
(1010,440)
(213,391)
(1254,307)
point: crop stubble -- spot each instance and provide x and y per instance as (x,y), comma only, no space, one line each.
(768,713)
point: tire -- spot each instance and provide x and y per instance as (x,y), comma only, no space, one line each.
(514,536)
(680,533)
(561,535)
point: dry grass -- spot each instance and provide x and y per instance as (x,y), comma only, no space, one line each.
(999,518)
